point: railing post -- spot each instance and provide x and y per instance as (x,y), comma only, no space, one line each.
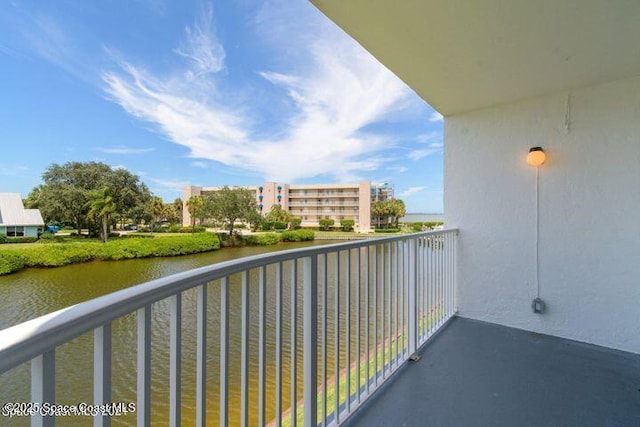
(102,372)
(412,297)
(310,349)
(43,386)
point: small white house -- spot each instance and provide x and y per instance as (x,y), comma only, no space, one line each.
(15,220)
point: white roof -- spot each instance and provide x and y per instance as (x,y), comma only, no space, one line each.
(12,211)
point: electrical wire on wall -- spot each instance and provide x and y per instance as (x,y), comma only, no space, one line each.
(536,157)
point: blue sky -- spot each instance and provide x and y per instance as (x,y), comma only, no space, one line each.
(229,92)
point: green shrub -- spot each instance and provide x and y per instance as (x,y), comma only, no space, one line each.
(297,235)
(326,224)
(10,262)
(347,224)
(21,239)
(387,230)
(261,239)
(416,226)
(433,224)
(3,238)
(174,228)
(53,255)
(196,229)
(267,226)
(296,223)
(279,225)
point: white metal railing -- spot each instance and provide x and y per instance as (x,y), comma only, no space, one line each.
(349,315)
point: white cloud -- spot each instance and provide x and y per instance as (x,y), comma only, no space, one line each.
(124,150)
(429,138)
(398,169)
(436,117)
(161,185)
(410,191)
(338,91)
(418,154)
(199,164)
(201,47)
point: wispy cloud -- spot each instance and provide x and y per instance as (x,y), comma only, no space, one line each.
(398,169)
(410,191)
(418,154)
(124,150)
(341,90)
(160,185)
(199,164)
(436,117)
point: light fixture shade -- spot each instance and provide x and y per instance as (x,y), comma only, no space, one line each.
(536,156)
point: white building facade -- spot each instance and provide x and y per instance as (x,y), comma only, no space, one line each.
(309,202)
(15,220)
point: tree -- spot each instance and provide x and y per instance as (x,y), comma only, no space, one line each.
(397,210)
(378,211)
(157,211)
(195,206)
(277,214)
(101,205)
(347,224)
(384,210)
(232,204)
(326,224)
(64,196)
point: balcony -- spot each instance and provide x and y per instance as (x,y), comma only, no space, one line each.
(339,326)
(300,337)
(324,195)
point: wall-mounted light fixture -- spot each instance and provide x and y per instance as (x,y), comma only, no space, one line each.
(536,156)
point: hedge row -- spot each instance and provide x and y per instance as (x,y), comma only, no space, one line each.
(58,254)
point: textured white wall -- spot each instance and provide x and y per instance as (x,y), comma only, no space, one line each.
(589,213)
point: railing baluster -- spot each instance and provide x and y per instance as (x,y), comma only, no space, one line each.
(358,323)
(262,346)
(224,352)
(396,336)
(376,267)
(294,343)
(325,306)
(102,371)
(43,386)
(348,332)
(413,299)
(143,407)
(336,347)
(175,357)
(383,306)
(244,352)
(201,355)
(279,300)
(367,308)
(310,340)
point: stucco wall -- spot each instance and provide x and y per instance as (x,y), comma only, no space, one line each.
(589,213)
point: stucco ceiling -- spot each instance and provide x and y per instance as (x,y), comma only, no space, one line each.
(462,55)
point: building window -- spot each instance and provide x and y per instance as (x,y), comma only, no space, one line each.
(17,231)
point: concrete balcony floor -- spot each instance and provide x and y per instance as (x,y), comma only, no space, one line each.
(481,374)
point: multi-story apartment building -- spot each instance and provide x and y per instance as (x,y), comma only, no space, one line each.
(310,202)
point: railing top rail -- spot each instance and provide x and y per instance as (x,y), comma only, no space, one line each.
(22,342)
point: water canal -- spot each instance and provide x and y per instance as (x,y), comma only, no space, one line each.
(34,292)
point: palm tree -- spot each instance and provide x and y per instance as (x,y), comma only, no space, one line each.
(157,210)
(195,204)
(101,205)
